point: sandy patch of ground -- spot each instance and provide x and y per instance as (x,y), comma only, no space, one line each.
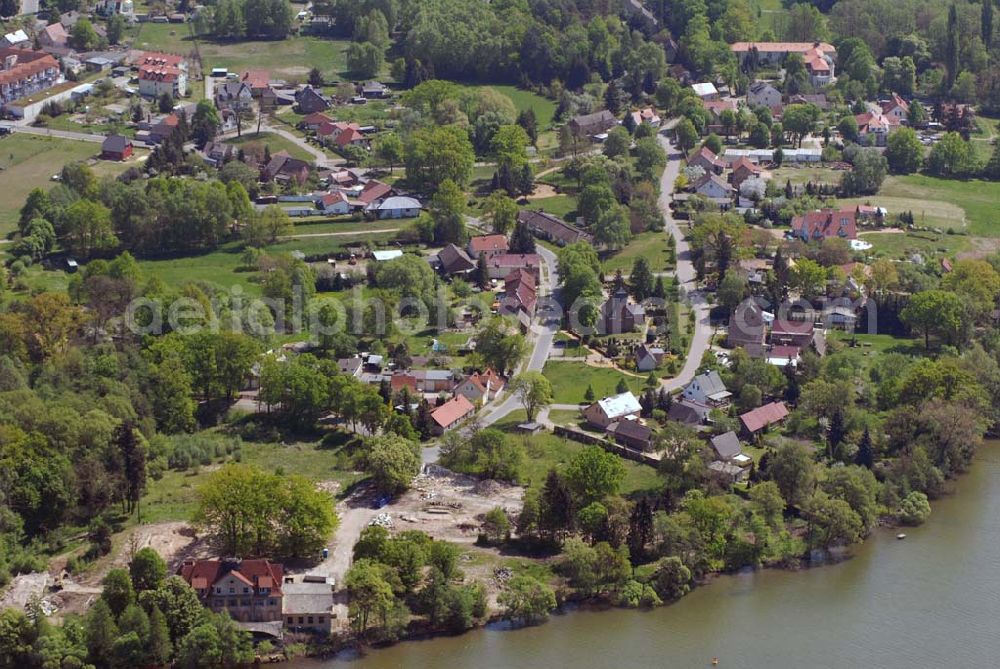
(542,191)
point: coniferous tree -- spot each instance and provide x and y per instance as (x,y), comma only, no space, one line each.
(158,647)
(622,387)
(641,280)
(951,49)
(521,240)
(556,507)
(589,394)
(640,529)
(865,456)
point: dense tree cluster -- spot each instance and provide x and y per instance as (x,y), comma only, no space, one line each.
(140,619)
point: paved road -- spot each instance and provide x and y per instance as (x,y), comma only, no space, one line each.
(544,332)
(685,273)
(63,134)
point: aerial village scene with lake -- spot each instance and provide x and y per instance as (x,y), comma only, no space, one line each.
(567,332)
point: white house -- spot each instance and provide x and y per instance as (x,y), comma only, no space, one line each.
(763,94)
(334,203)
(603,413)
(713,186)
(706,90)
(396,207)
(707,388)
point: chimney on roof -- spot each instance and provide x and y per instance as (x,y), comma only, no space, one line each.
(230,563)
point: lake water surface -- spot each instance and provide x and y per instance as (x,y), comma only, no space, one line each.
(932,600)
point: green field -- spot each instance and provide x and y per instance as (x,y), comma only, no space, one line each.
(649,245)
(800,176)
(289,58)
(928,244)
(29,161)
(174,497)
(978,199)
(926,213)
(275,142)
(570,380)
(563,206)
(222,266)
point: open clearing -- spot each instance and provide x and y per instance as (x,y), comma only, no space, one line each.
(29,161)
(570,379)
(977,198)
(926,212)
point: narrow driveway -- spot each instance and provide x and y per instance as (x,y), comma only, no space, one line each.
(543,331)
(685,273)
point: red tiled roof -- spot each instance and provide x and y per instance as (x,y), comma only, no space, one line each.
(516,260)
(791,47)
(333,198)
(790,352)
(399,381)
(452,411)
(745,163)
(202,574)
(485,243)
(374,190)
(256,78)
(825,224)
(761,417)
(315,119)
(347,136)
(785,326)
(28,64)
(158,59)
(159,73)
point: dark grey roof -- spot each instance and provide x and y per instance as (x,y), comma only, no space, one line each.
(115,143)
(631,429)
(454,260)
(689,413)
(727,446)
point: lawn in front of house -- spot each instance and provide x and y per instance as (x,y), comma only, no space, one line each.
(649,245)
(570,380)
(800,176)
(547,451)
(276,143)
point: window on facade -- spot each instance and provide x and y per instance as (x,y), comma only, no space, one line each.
(320,620)
(232,602)
(270,602)
(300,620)
(309,620)
(246,590)
(232,591)
(246,602)
(291,619)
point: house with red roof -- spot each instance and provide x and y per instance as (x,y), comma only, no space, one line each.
(823,224)
(54,35)
(744,169)
(706,159)
(481,387)
(520,293)
(873,127)
(249,590)
(161,73)
(333,203)
(257,80)
(351,137)
(491,245)
(374,190)
(820,58)
(896,110)
(757,420)
(499,266)
(313,121)
(450,414)
(24,73)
